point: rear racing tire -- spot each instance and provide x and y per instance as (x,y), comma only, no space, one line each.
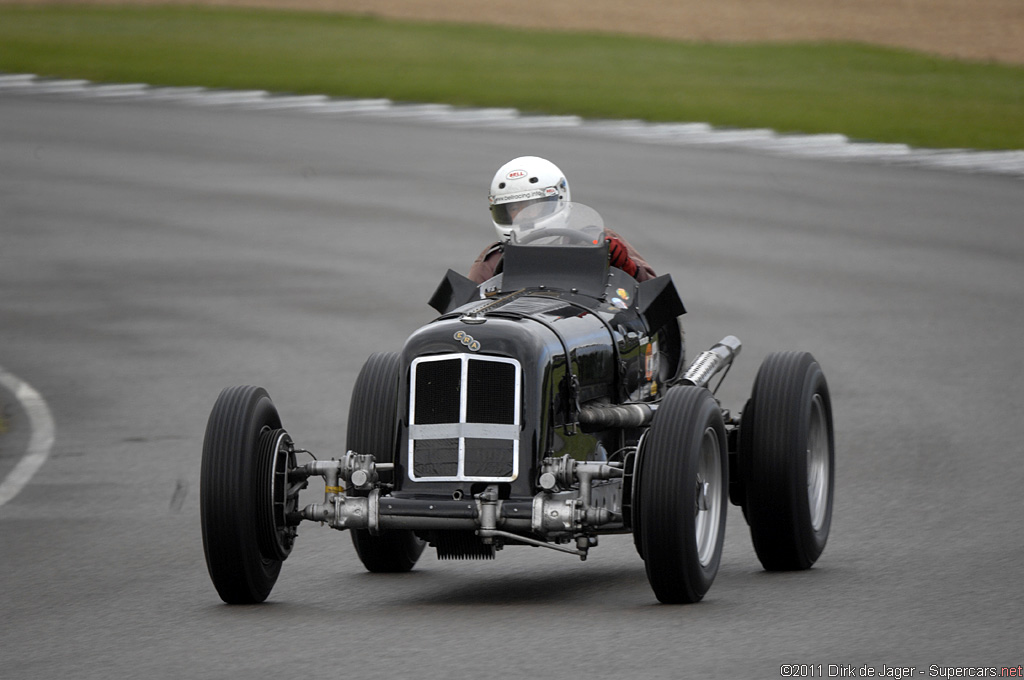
(787,453)
(373,429)
(683,482)
(243,450)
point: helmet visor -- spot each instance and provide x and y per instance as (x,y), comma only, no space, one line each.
(506,212)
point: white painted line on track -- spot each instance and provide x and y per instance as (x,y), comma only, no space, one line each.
(731,137)
(831,147)
(127,90)
(354,106)
(418,111)
(174,93)
(802,144)
(17,80)
(282,102)
(217,98)
(536,122)
(473,116)
(59,86)
(40,440)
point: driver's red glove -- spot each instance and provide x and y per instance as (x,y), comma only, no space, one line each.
(619,257)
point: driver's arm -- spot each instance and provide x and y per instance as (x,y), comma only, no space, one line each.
(626,258)
(486,263)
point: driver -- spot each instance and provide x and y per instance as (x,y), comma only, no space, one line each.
(529,180)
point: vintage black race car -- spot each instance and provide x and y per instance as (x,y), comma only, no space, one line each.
(545,407)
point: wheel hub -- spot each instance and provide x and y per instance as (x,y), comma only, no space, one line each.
(708,501)
(702,494)
(275,498)
(817,464)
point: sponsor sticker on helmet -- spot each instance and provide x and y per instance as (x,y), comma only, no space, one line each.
(516,174)
(520,196)
(550,191)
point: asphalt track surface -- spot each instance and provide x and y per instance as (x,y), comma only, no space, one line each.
(152,254)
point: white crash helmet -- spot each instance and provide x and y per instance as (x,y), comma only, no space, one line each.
(525,181)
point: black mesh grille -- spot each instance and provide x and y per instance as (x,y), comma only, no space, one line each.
(436,457)
(438,387)
(488,457)
(491,394)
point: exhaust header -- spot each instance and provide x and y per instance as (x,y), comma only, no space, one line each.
(708,363)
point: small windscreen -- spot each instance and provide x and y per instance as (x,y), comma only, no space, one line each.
(556,268)
(565,250)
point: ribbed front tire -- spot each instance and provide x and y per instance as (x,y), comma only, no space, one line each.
(230,498)
(373,429)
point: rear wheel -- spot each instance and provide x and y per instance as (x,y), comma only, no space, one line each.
(373,429)
(788,457)
(682,484)
(244,497)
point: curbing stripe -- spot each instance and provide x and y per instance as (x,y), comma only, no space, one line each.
(833,147)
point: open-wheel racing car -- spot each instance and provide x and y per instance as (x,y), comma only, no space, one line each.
(545,407)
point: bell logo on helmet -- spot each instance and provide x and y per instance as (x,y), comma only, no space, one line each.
(550,191)
(516,174)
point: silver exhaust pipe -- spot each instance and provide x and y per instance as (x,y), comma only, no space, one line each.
(708,363)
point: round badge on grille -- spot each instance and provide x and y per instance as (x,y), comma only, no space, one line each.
(467,340)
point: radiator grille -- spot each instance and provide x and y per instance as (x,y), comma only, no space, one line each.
(464,418)
(491,389)
(436,458)
(489,457)
(438,391)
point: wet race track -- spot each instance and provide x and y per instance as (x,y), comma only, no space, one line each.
(153,253)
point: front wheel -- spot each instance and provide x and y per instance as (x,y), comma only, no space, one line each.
(787,451)
(244,497)
(682,484)
(373,429)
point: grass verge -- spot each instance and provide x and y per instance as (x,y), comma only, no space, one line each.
(865,92)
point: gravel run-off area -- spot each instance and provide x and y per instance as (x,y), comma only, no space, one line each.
(977,30)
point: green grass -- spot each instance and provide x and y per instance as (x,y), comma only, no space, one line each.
(865,92)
